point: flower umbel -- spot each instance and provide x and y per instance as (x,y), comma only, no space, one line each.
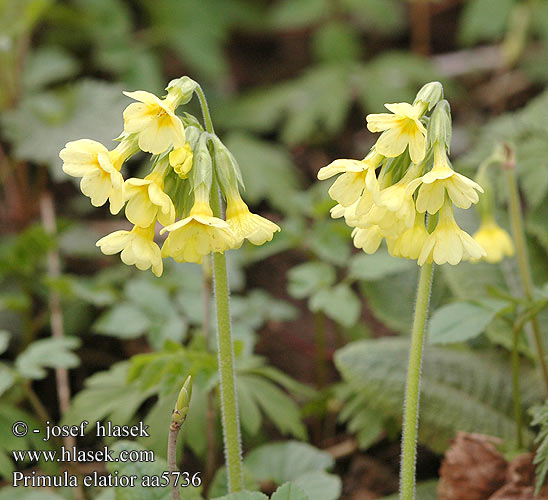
(388,193)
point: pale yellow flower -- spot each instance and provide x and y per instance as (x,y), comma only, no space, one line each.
(448,242)
(401,129)
(99,169)
(368,239)
(137,246)
(355,177)
(154,121)
(495,240)
(199,234)
(410,243)
(245,224)
(442,178)
(181,160)
(147,201)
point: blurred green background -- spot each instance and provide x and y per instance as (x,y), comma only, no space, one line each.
(289,83)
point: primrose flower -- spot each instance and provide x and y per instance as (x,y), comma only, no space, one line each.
(154,121)
(199,234)
(401,129)
(137,247)
(181,160)
(440,179)
(495,240)
(409,244)
(245,224)
(147,201)
(448,242)
(99,169)
(356,176)
(368,239)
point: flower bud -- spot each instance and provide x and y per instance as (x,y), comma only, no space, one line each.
(202,165)
(183,401)
(439,128)
(181,89)
(226,168)
(430,94)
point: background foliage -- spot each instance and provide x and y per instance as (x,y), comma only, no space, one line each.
(289,83)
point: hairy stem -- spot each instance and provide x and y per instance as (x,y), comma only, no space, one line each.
(229,403)
(518,231)
(412,391)
(515,385)
(172,459)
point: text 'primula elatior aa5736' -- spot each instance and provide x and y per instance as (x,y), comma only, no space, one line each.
(186,166)
(406,175)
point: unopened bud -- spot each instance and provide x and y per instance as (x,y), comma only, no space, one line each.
(439,127)
(202,165)
(226,168)
(183,402)
(181,89)
(430,94)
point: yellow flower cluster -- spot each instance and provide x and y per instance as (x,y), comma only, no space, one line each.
(185,161)
(406,175)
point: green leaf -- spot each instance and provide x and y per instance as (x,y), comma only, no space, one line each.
(286,461)
(4,340)
(289,491)
(339,303)
(48,65)
(336,41)
(320,485)
(47,353)
(306,279)
(278,407)
(107,395)
(43,123)
(461,389)
(392,300)
(292,14)
(219,485)
(458,322)
(267,169)
(244,495)
(377,266)
(539,416)
(484,20)
(7,378)
(124,321)
(392,77)
(8,493)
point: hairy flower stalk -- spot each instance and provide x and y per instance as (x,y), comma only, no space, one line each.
(229,404)
(191,171)
(405,179)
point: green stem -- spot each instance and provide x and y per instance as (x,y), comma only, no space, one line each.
(523,258)
(205,109)
(412,391)
(229,403)
(515,385)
